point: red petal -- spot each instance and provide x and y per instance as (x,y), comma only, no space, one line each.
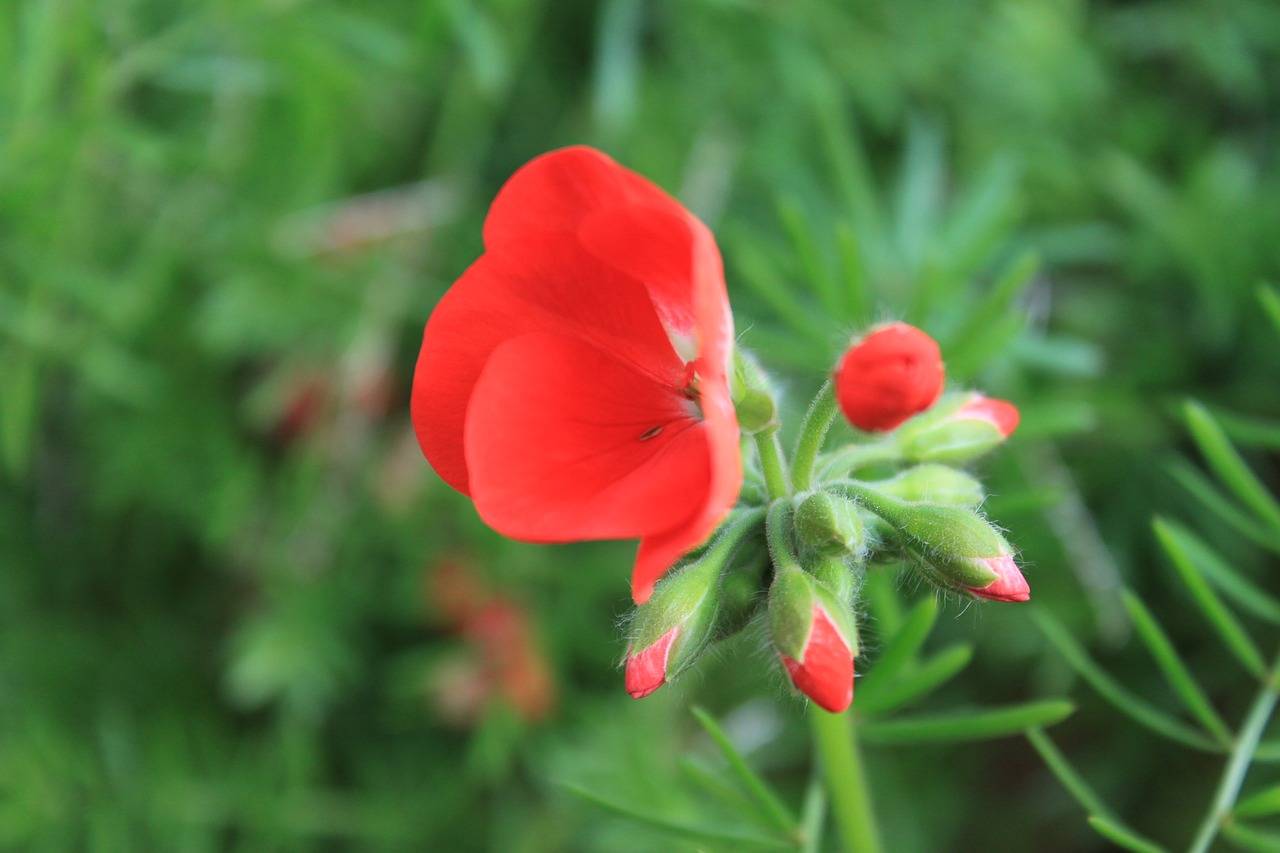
(826,673)
(999,413)
(552,285)
(647,670)
(1009,586)
(555,192)
(564,442)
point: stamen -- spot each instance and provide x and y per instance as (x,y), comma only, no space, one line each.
(650,433)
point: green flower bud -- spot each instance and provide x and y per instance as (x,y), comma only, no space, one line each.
(949,531)
(938,484)
(829,524)
(752,398)
(958,429)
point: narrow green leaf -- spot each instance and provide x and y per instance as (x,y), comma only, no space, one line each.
(1208,494)
(915,682)
(816,272)
(1270,300)
(752,784)
(1137,709)
(996,303)
(1175,672)
(692,831)
(1267,751)
(1122,837)
(973,725)
(1251,432)
(1235,637)
(902,647)
(853,274)
(1247,595)
(1262,804)
(1067,775)
(1248,838)
(711,784)
(757,271)
(814,816)
(1228,465)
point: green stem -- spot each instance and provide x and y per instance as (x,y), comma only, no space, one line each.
(822,411)
(1241,757)
(846,782)
(849,459)
(772,464)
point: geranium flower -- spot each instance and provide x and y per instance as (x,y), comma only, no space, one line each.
(573,382)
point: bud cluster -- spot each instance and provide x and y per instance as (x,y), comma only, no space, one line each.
(795,552)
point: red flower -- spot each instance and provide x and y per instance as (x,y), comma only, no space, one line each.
(886,377)
(573,381)
(825,671)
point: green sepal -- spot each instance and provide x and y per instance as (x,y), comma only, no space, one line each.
(947,530)
(939,484)
(952,572)
(752,397)
(688,599)
(830,524)
(791,600)
(839,612)
(935,437)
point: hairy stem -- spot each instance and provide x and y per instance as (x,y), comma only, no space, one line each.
(772,464)
(842,772)
(817,421)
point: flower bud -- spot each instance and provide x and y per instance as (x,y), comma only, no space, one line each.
(815,636)
(938,484)
(949,530)
(889,375)
(752,399)
(994,578)
(829,524)
(673,627)
(963,430)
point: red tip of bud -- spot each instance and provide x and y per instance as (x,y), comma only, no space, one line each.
(1009,586)
(886,377)
(1000,414)
(647,671)
(826,673)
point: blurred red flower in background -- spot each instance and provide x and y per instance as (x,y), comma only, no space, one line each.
(573,382)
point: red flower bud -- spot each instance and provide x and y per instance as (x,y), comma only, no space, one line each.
(889,375)
(1009,584)
(647,669)
(824,672)
(1000,414)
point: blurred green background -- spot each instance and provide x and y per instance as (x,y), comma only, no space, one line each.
(223,224)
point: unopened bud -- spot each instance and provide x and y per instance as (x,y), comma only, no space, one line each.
(815,636)
(959,430)
(995,578)
(938,484)
(673,627)
(752,398)
(829,524)
(884,378)
(949,530)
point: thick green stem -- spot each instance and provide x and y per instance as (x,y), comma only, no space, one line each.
(846,782)
(1241,757)
(849,459)
(822,411)
(772,464)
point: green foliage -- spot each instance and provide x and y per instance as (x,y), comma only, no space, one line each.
(215,527)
